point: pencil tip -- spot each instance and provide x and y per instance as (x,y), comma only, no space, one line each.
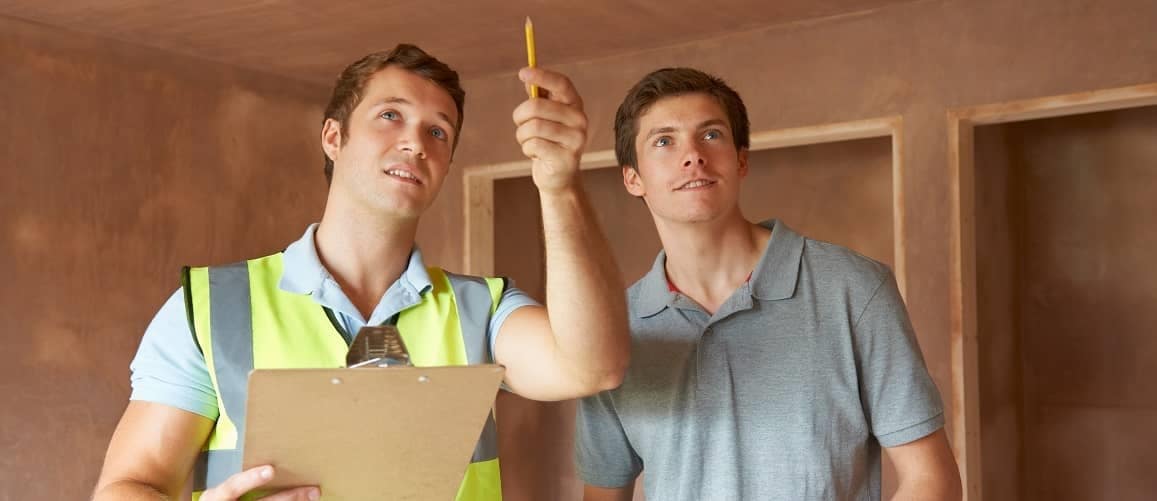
(528,22)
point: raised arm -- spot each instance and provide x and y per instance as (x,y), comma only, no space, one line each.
(579,344)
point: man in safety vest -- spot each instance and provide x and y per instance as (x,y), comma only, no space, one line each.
(389,135)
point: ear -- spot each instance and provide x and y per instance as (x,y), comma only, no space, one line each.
(633,182)
(331,138)
(743,163)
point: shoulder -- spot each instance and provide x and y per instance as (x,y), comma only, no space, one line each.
(195,277)
(831,265)
(435,271)
(462,283)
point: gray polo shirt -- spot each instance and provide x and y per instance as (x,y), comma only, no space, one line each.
(786,392)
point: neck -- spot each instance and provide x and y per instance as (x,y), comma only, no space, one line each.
(364,252)
(708,261)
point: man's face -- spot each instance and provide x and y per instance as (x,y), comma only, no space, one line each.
(688,169)
(397,146)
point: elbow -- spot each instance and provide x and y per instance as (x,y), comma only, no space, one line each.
(592,382)
(621,361)
(611,379)
(126,488)
(598,383)
(605,376)
(615,371)
(604,367)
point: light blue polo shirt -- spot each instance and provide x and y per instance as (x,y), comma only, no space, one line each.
(169,368)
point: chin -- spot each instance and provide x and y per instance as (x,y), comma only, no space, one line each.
(698,213)
(399,208)
(693,217)
(699,218)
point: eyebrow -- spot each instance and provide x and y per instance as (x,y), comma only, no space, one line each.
(402,100)
(669,129)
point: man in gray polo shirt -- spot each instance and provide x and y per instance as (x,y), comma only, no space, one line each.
(765,365)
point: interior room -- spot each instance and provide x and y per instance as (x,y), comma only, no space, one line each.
(143,137)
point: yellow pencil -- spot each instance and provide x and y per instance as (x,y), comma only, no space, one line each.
(530,52)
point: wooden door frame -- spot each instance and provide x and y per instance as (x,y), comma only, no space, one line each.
(962,123)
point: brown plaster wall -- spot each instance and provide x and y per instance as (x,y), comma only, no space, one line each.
(1090,398)
(1073,401)
(117,166)
(999,218)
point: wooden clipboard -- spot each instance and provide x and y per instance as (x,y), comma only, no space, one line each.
(403,433)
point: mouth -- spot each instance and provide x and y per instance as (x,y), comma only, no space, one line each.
(695,184)
(403,175)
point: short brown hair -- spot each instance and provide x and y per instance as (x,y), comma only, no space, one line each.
(347,91)
(669,82)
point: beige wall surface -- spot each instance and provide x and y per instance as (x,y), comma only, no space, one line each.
(119,165)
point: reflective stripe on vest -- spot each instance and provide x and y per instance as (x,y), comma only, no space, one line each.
(239,313)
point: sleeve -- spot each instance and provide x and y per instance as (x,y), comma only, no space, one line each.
(512,299)
(169,368)
(603,453)
(900,400)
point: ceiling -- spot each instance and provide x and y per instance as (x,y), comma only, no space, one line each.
(313,40)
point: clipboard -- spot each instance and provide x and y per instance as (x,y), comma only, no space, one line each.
(404,433)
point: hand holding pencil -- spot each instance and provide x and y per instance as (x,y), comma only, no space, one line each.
(551,125)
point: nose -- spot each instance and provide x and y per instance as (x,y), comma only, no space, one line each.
(692,157)
(408,143)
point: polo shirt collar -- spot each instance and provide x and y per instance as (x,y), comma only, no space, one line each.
(774,278)
(654,294)
(777,272)
(304,274)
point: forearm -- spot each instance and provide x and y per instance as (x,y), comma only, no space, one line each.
(128,490)
(584,290)
(926,469)
(593,493)
(929,489)
(151,453)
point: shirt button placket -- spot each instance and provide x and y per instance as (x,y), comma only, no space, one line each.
(701,357)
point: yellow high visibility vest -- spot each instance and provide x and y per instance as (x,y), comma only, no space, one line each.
(243,321)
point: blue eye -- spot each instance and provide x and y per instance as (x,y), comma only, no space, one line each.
(438,133)
(712,134)
(663,141)
(390,115)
